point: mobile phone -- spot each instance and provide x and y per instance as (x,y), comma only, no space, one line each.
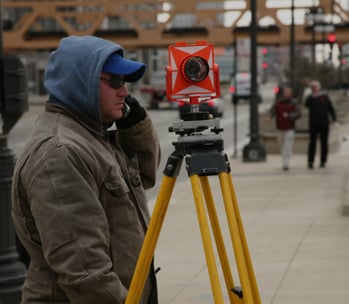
(126,110)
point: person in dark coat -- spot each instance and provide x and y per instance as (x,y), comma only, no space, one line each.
(321,110)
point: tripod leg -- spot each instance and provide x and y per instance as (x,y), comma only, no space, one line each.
(151,238)
(219,239)
(206,240)
(247,277)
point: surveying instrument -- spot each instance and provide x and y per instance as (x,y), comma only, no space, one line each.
(192,74)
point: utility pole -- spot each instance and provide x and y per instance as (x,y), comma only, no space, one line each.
(292,49)
(12,272)
(254,151)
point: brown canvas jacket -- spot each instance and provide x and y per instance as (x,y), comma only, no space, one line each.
(80,209)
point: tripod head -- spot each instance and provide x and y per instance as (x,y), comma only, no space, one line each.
(201,142)
(196,127)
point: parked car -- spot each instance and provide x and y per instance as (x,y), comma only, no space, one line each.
(155,92)
(213,106)
(240,87)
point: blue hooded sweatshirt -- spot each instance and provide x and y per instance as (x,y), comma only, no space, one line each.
(73,71)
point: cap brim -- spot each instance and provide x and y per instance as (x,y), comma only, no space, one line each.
(132,70)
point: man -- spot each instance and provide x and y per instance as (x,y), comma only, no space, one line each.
(286,112)
(79,205)
(320,109)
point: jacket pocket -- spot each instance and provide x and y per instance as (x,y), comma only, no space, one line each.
(120,209)
(116,186)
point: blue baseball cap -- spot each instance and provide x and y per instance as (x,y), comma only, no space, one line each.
(117,65)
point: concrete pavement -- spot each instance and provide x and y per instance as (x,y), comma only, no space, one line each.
(297,233)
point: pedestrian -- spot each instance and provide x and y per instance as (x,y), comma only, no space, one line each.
(285,111)
(78,196)
(320,109)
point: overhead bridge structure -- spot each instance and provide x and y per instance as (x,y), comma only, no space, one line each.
(137,24)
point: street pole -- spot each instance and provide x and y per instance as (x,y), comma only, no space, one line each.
(235,126)
(12,272)
(235,105)
(292,49)
(313,46)
(254,151)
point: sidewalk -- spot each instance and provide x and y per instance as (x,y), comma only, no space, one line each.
(297,235)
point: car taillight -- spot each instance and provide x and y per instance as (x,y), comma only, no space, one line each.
(232,89)
(276,90)
(181,103)
(211,103)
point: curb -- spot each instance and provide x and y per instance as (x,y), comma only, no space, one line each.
(37,99)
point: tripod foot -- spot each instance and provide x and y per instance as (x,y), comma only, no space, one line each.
(238,291)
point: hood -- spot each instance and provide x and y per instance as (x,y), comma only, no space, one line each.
(73,71)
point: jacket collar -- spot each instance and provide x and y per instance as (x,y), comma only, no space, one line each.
(91,125)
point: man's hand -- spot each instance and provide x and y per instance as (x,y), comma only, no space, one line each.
(135,115)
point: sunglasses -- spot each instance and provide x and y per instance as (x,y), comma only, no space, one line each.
(115,82)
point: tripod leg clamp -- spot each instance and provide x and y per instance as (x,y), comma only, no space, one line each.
(238,291)
(173,164)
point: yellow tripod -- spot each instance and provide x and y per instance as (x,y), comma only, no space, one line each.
(204,157)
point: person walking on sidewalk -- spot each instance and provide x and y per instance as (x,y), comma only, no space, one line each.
(320,109)
(285,111)
(78,196)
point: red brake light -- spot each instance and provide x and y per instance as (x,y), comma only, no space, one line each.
(276,90)
(181,103)
(211,103)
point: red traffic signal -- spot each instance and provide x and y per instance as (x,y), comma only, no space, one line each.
(264,51)
(331,38)
(265,65)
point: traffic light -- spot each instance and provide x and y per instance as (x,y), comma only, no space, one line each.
(265,59)
(265,64)
(265,51)
(14,99)
(331,38)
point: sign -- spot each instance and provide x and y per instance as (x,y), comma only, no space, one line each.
(243,54)
(324,28)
